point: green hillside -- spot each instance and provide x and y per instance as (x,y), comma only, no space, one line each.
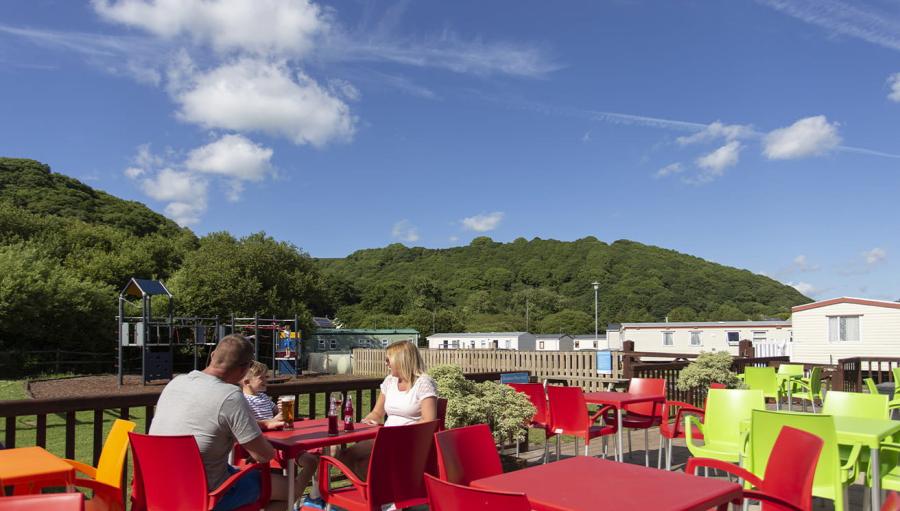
(485,286)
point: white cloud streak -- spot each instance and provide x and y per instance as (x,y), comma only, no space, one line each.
(713,165)
(717,130)
(483,222)
(854,19)
(894,84)
(875,256)
(405,231)
(668,170)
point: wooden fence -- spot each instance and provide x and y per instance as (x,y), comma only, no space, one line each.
(574,367)
(850,373)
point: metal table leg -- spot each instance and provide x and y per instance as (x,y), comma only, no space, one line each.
(619,435)
(874,462)
(291,482)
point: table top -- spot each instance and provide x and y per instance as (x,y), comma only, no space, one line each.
(618,399)
(588,483)
(312,434)
(869,432)
(33,464)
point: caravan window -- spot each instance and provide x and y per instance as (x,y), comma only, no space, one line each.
(759,336)
(321,344)
(733,338)
(843,328)
(332,344)
(668,338)
(695,338)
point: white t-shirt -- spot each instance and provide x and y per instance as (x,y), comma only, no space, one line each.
(405,407)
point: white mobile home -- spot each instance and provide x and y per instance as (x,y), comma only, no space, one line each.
(554,342)
(694,337)
(590,343)
(522,341)
(829,330)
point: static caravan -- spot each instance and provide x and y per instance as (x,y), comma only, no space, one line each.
(829,330)
(522,341)
(554,342)
(694,337)
(590,343)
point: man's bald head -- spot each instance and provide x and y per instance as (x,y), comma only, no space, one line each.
(233,351)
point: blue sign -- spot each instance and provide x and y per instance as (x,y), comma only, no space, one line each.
(514,378)
(604,362)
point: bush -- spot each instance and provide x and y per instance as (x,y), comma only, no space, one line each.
(709,367)
(504,410)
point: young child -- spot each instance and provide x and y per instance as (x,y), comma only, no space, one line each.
(254,387)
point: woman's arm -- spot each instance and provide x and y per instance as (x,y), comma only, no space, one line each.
(429,409)
(377,413)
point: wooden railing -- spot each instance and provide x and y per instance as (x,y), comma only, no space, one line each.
(850,373)
(577,368)
(56,424)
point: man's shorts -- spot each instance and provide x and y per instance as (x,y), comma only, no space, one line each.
(244,491)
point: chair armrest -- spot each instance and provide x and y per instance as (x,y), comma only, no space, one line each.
(852,460)
(765,497)
(81,467)
(734,470)
(112,496)
(684,411)
(688,430)
(601,411)
(265,479)
(324,461)
(890,446)
(894,404)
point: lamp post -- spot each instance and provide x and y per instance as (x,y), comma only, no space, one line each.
(596,323)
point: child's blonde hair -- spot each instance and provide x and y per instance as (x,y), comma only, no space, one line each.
(256,369)
(405,357)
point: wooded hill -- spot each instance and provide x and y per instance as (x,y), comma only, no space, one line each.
(67,249)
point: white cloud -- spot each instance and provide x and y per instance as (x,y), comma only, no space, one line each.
(344,88)
(668,170)
(483,222)
(875,256)
(185,213)
(716,131)
(802,264)
(804,288)
(263,27)
(811,136)
(894,83)
(405,231)
(254,95)
(715,163)
(454,238)
(134,172)
(233,156)
(586,137)
(184,192)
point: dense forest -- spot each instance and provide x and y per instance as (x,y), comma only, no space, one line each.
(67,249)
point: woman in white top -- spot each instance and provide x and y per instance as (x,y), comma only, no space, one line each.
(408,396)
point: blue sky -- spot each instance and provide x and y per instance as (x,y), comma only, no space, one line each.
(757,134)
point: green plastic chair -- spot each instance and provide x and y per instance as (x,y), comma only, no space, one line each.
(890,466)
(896,372)
(721,427)
(789,370)
(811,388)
(856,404)
(833,476)
(764,379)
(870,384)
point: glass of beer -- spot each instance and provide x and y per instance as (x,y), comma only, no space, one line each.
(286,405)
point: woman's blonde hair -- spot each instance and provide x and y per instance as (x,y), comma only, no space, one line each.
(256,369)
(405,357)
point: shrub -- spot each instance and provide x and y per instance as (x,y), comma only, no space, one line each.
(709,367)
(504,410)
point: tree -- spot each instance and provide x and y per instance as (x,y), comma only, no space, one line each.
(682,313)
(567,321)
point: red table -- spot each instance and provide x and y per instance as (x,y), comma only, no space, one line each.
(619,400)
(585,483)
(312,434)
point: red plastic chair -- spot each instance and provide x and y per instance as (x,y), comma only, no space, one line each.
(671,430)
(44,502)
(643,415)
(396,469)
(442,413)
(466,454)
(541,419)
(169,474)
(569,416)
(446,496)
(892,502)
(787,485)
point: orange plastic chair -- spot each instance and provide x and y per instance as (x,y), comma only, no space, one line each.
(541,419)
(400,455)
(44,502)
(789,475)
(446,496)
(106,479)
(569,415)
(466,454)
(169,475)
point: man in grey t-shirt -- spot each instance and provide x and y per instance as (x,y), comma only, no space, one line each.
(210,406)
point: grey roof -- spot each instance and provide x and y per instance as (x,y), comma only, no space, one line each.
(551,336)
(600,337)
(323,322)
(702,324)
(479,334)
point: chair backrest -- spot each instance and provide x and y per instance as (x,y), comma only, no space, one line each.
(646,386)
(445,496)
(725,409)
(43,502)
(791,467)
(168,472)
(112,458)
(896,372)
(538,398)
(442,413)
(856,404)
(892,502)
(761,378)
(399,458)
(466,454)
(815,380)
(767,425)
(791,369)
(568,410)
(870,385)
